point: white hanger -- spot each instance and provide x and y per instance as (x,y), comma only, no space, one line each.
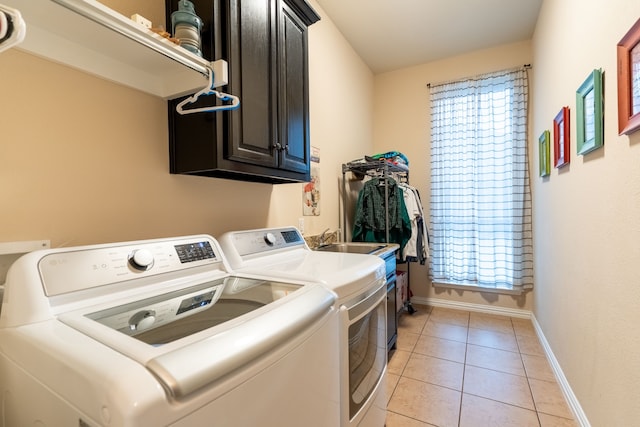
(4,25)
(208,90)
(12,27)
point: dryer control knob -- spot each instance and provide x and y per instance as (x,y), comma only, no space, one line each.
(270,238)
(142,259)
(142,320)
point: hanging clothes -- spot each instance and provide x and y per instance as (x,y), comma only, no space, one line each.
(417,248)
(370,218)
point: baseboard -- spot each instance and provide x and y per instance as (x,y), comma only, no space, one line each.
(572,401)
(481,308)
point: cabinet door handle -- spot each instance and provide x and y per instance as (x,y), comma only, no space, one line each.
(286,148)
(276,146)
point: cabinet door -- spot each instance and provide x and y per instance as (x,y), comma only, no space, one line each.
(293,92)
(252,49)
(267,138)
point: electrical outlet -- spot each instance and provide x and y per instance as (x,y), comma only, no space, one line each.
(301,225)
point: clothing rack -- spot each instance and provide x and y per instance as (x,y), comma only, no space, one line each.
(372,168)
(383,169)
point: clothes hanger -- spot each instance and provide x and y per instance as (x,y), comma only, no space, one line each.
(206,91)
(12,27)
(4,25)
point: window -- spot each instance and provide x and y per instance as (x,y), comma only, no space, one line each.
(480,195)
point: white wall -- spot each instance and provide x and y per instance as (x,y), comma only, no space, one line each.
(587,216)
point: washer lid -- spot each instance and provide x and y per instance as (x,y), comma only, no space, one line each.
(171,316)
(346,274)
(281,253)
(193,337)
(192,367)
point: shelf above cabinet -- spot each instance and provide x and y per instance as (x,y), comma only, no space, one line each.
(86,35)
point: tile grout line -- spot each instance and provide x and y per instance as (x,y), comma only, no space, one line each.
(464,372)
(526,374)
(466,360)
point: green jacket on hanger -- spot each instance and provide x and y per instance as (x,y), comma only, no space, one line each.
(370,224)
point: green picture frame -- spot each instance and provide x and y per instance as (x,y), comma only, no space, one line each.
(590,114)
(544,153)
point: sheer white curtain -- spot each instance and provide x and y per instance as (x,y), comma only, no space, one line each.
(480,193)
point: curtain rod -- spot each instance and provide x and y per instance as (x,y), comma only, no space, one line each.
(525,67)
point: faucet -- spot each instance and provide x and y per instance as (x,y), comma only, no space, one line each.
(321,240)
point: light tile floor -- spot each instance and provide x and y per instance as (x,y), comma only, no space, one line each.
(454,368)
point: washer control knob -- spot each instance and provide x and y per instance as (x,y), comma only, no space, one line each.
(142,320)
(142,259)
(270,238)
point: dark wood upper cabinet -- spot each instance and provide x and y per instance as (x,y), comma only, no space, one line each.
(267,138)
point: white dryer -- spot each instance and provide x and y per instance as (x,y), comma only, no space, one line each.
(359,282)
(159,333)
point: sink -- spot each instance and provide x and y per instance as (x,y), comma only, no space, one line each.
(352,247)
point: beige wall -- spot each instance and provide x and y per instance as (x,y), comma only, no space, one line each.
(586,216)
(341,99)
(401,122)
(85,161)
(586,227)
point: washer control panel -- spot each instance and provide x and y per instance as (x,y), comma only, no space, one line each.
(264,240)
(63,271)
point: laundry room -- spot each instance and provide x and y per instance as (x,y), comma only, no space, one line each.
(87,158)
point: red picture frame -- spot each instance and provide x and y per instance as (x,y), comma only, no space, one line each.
(561,138)
(629,81)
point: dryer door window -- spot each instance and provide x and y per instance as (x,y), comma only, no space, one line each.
(367,356)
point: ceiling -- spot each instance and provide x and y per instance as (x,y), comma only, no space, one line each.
(393,34)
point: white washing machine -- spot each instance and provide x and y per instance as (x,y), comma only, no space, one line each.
(359,282)
(159,333)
